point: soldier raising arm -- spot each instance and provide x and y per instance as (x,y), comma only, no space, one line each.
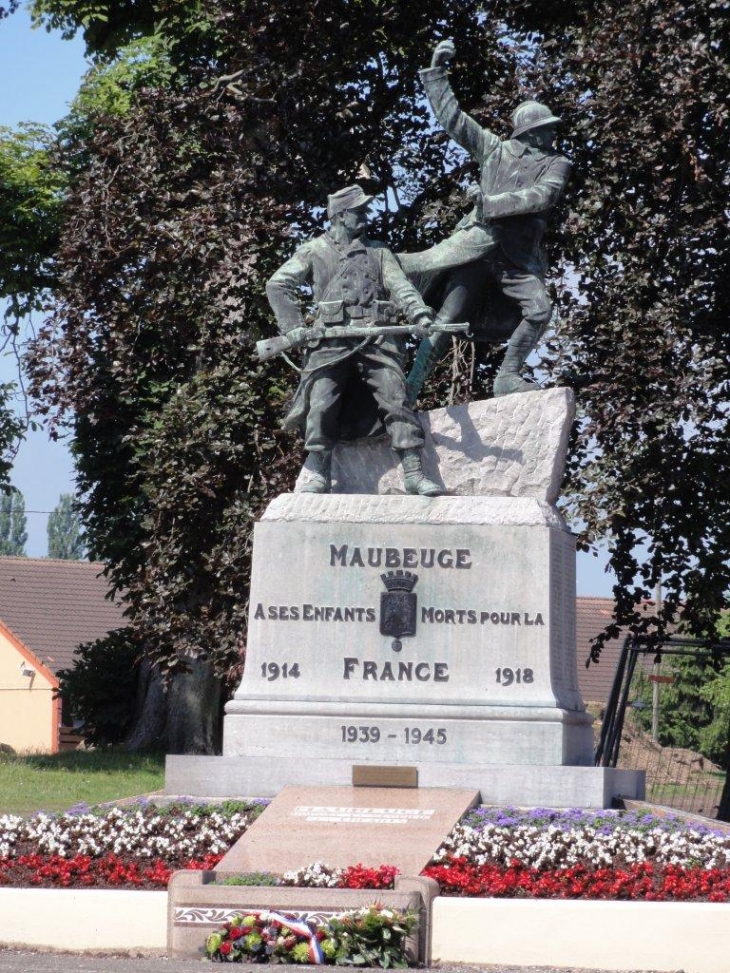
(520,180)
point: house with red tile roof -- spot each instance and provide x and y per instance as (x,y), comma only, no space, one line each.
(592,615)
(47,609)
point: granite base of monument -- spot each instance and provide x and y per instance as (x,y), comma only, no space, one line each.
(392,629)
(519,784)
(433,633)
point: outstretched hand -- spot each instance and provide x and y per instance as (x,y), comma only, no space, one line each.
(444,52)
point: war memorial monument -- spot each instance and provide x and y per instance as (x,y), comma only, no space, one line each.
(412,605)
(411,637)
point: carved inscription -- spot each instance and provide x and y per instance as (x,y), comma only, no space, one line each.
(345,556)
(472,616)
(395,671)
(412,735)
(272,670)
(312,613)
(400,618)
(506,676)
(364,815)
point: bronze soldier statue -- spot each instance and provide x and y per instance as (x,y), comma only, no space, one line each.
(495,252)
(351,386)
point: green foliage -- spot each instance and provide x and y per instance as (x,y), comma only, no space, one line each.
(38,165)
(12,431)
(109,87)
(13,523)
(65,540)
(715,737)
(373,936)
(31,198)
(250,878)
(109,25)
(694,709)
(100,688)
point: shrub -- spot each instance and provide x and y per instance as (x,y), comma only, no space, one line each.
(100,688)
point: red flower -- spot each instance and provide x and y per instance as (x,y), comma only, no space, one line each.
(360,877)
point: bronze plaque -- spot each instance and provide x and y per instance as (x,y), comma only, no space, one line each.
(366,775)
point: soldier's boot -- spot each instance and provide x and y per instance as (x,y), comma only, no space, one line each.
(413,476)
(320,466)
(508,379)
(430,351)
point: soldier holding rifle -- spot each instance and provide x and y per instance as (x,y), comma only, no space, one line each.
(353,383)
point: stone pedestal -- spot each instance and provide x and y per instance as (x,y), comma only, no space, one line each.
(435,634)
(402,630)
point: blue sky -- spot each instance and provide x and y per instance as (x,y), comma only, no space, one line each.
(39,76)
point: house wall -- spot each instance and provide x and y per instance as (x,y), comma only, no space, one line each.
(28,712)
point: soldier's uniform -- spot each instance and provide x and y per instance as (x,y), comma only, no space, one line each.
(350,387)
(499,242)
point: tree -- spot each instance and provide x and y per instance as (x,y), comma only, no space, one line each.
(182,207)
(695,707)
(30,212)
(175,427)
(643,342)
(65,539)
(108,25)
(13,523)
(99,689)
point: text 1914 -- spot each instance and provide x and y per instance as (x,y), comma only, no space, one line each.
(272,670)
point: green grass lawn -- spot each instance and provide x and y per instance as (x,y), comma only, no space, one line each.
(55,782)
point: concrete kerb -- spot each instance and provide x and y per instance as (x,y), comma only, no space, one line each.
(605,935)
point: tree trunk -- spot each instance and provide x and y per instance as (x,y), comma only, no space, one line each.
(182,716)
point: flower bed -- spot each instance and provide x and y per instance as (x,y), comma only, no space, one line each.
(504,853)
(137,847)
(651,883)
(492,852)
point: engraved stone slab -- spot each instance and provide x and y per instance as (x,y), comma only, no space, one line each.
(344,826)
(513,446)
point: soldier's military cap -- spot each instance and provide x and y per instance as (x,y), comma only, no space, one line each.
(351,197)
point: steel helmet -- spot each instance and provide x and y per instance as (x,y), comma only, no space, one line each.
(529,115)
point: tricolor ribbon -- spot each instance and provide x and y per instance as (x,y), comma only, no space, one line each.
(298,926)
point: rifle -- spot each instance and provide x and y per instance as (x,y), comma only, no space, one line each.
(299,337)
